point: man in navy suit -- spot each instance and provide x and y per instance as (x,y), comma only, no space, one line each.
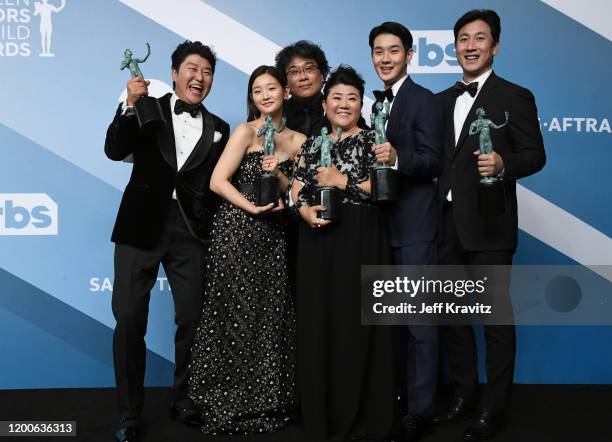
(468,238)
(414,133)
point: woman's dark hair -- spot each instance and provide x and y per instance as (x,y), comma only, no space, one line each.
(488,16)
(393,28)
(344,74)
(303,49)
(252,111)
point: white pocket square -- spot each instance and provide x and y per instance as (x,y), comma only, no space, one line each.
(216,137)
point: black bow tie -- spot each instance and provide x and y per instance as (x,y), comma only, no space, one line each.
(180,106)
(460,87)
(381,95)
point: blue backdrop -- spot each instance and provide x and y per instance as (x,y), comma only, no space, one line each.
(59,193)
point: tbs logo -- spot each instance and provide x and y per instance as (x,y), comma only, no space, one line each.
(434,53)
(27,214)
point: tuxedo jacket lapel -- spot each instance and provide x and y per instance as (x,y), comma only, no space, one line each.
(204,144)
(400,99)
(450,124)
(167,144)
(484,97)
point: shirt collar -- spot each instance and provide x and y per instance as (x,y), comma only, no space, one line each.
(398,84)
(481,80)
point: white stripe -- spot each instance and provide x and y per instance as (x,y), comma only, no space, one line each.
(594,14)
(246,50)
(195,20)
(564,232)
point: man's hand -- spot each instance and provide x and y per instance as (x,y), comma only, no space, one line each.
(385,153)
(136,88)
(489,164)
(331,177)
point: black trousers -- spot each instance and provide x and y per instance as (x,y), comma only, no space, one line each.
(135,275)
(420,364)
(459,340)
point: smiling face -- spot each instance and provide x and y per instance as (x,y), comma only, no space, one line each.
(304,78)
(343,106)
(475,49)
(268,94)
(390,58)
(193,79)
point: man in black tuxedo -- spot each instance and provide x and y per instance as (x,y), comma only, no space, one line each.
(466,237)
(164,218)
(414,133)
(305,66)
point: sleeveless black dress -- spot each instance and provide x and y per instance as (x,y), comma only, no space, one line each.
(243,356)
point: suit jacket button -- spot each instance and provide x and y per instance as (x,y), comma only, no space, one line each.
(454,165)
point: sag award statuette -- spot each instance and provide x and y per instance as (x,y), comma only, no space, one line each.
(267,186)
(382,177)
(327,196)
(491,192)
(147,108)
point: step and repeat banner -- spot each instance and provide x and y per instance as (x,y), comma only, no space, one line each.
(60,85)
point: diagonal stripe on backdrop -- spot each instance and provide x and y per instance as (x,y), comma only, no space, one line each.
(247,49)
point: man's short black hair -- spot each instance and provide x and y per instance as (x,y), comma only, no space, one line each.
(488,16)
(344,75)
(187,48)
(394,28)
(303,49)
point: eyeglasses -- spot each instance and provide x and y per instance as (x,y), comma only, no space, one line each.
(307,70)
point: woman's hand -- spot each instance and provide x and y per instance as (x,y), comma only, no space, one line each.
(269,163)
(331,177)
(310,215)
(259,210)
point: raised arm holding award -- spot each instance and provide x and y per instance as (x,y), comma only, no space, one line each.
(147,108)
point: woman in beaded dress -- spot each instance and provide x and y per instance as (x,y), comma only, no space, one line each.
(243,356)
(346,371)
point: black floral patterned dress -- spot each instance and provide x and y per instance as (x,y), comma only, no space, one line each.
(345,370)
(243,356)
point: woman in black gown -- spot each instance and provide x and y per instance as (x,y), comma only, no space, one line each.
(243,356)
(345,370)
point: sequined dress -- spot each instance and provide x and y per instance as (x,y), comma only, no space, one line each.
(243,356)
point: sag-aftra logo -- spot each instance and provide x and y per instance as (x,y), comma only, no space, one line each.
(27,214)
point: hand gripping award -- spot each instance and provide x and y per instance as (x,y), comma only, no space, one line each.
(491,192)
(267,185)
(383,177)
(148,111)
(326,196)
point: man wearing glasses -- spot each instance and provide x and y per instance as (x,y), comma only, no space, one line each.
(305,65)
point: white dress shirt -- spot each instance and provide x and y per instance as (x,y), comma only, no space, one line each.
(463,104)
(187,132)
(395,88)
